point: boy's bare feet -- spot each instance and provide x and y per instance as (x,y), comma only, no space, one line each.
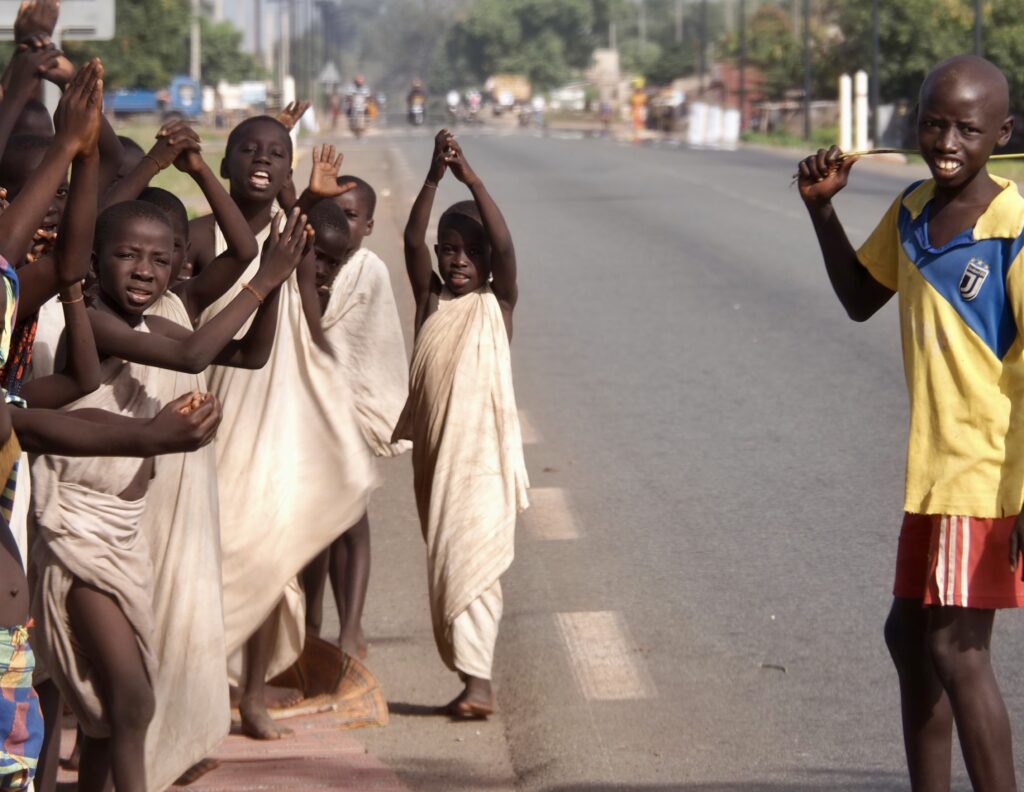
(274,697)
(257,723)
(476,701)
(197,771)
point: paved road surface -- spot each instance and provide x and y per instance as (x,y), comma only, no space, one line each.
(717,461)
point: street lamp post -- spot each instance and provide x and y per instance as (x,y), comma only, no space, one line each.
(977,28)
(875,83)
(702,53)
(807,70)
(743,64)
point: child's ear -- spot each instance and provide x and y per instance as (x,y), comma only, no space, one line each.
(1005,131)
(369,227)
(224,168)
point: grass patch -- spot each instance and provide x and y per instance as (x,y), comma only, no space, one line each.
(821,137)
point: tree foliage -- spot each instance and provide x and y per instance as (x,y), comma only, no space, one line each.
(151,46)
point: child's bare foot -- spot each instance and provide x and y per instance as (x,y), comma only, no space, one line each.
(353,647)
(476,701)
(257,723)
(281,697)
(197,771)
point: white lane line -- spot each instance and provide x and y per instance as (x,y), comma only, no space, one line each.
(550,517)
(604,658)
(530,435)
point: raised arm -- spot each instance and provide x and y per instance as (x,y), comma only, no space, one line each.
(21,82)
(173,347)
(177,428)
(172,141)
(21,219)
(821,177)
(323,178)
(503,254)
(204,289)
(418,263)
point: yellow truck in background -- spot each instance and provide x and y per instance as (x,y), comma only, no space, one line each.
(508,91)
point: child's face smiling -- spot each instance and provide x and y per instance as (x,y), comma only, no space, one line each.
(463,256)
(958,128)
(259,163)
(134,264)
(356,208)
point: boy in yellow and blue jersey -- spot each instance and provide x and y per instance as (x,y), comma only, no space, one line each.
(951,247)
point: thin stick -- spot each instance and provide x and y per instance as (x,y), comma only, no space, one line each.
(872,152)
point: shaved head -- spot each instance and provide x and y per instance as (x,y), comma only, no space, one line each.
(970,77)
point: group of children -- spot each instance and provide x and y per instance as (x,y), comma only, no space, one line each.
(157,570)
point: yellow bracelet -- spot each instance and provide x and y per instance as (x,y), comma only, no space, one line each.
(249,287)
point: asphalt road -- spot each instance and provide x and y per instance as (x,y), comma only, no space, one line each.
(717,456)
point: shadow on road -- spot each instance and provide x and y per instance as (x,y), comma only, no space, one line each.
(814,781)
(416,710)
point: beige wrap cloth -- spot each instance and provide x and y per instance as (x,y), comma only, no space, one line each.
(362,324)
(84,530)
(468,470)
(294,474)
(182,529)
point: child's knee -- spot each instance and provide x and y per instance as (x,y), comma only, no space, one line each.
(904,639)
(132,705)
(953,660)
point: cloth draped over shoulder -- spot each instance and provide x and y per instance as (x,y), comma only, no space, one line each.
(363,326)
(294,474)
(182,530)
(84,530)
(468,469)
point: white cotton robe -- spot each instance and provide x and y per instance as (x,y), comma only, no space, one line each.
(294,474)
(468,470)
(84,530)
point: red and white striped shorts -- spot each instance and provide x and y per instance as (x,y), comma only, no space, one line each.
(961,561)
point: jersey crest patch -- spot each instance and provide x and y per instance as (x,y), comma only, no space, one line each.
(973,278)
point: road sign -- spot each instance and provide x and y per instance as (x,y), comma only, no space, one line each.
(329,75)
(80,20)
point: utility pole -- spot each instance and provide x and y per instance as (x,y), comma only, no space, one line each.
(679,21)
(743,64)
(258,30)
(642,24)
(807,70)
(195,70)
(702,54)
(977,28)
(876,91)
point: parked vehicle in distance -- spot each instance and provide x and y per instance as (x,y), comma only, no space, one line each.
(182,99)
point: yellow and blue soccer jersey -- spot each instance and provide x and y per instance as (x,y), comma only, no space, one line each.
(961,316)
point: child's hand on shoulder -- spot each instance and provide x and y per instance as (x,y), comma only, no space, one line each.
(822,175)
(77,119)
(455,160)
(437,162)
(323,179)
(173,140)
(286,247)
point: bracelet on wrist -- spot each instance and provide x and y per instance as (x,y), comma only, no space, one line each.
(154,160)
(254,291)
(430,184)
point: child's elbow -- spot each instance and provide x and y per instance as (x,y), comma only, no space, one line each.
(247,251)
(89,383)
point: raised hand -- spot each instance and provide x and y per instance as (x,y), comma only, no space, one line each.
(32,60)
(292,113)
(455,160)
(286,247)
(822,175)
(36,18)
(323,179)
(77,119)
(437,161)
(174,140)
(187,423)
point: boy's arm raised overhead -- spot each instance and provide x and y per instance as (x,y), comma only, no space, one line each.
(174,347)
(31,60)
(418,263)
(75,127)
(80,373)
(172,140)
(323,178)
(202,290)
(503,254)
(821,177)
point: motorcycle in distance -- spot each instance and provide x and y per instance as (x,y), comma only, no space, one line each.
(416,102)
(474,101)
(358,107)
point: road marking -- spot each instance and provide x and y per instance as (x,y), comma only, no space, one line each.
(604,658)
(550,517)
(529,434)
